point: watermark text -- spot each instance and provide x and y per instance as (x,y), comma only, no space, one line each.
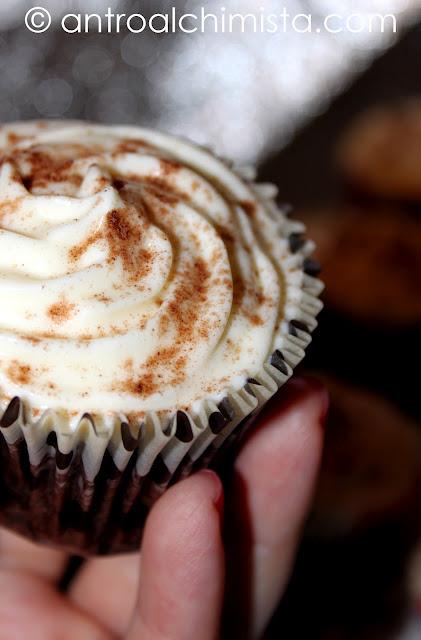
(38,20)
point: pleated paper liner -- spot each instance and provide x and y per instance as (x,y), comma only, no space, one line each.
(89,489)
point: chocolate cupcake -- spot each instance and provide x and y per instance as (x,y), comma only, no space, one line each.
(380,153)
(152,301)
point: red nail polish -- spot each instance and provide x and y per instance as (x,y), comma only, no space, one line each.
(218,498)
(220,501)
(304,384)
(325,411)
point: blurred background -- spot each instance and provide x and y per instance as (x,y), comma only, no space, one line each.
(334,120)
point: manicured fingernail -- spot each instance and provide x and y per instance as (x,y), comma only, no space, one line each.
(215,488)
(308,383)
(325,409)
(305,383)
(297,384)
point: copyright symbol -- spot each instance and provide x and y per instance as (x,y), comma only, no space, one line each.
(38,20)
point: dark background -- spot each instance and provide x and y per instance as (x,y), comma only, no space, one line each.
(354,586)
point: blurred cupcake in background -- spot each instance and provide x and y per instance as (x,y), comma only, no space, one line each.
(371,467)
(380,153)
(371,261)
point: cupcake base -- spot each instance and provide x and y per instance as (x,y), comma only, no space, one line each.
(61,507)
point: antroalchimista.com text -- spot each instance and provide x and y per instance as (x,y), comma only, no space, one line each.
(39,20)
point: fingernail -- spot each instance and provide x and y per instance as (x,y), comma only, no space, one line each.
(308,383)
(325,409)
(215,487)
(305,383)
(317,386)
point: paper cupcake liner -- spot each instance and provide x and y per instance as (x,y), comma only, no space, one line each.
(89,489)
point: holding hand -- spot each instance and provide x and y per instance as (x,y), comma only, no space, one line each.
(201,562)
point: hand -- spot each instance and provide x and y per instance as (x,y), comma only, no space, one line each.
(182,567)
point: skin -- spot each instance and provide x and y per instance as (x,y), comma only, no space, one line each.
(206,559)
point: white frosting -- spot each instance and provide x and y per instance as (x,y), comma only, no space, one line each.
(137,272)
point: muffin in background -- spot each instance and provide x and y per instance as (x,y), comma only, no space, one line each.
(371,261)
(371,467)
(380,152)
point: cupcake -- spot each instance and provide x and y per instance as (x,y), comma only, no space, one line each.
(371,467)
(380,153)
(374,255)
(154,298)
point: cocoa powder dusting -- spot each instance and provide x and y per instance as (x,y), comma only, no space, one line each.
(168,167)
(254,319)
(256,300)
(32,340)
(118,224)
(166,361)
(9,207)
(77,251)
(61,311)
(162,358)
(144,386)
(14,139)
(183,313)
(101,297)
(124,242)
(249,207)
(45,169)
(19,373)
(131,146)
(163,191)
(184,308)
(226,236)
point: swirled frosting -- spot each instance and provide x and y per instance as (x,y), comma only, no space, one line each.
(137,271)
